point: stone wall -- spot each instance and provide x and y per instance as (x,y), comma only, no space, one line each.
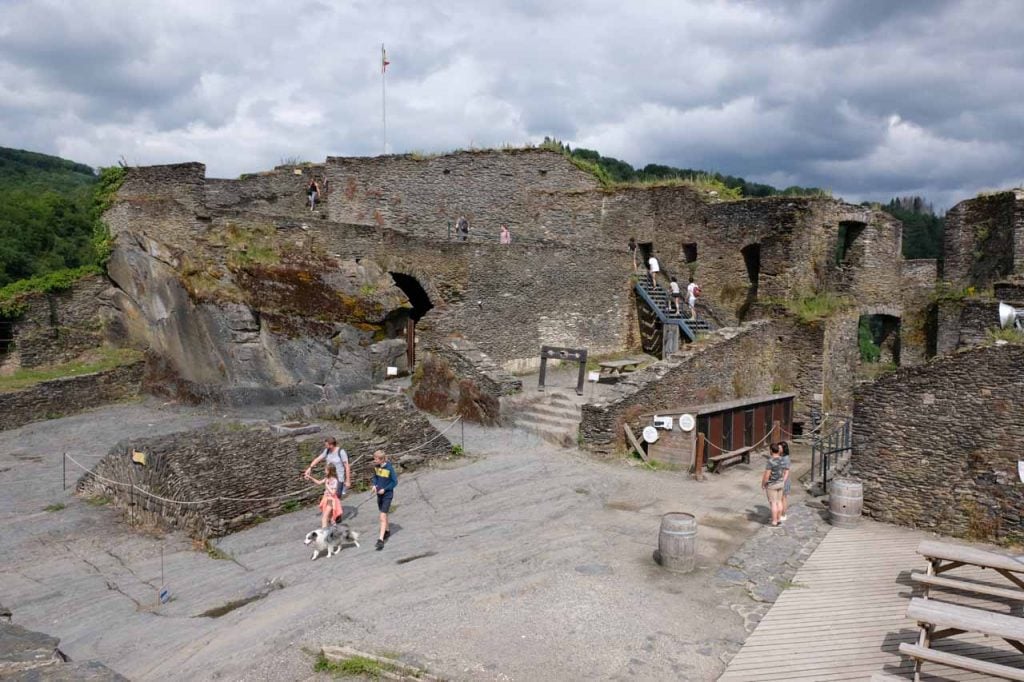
(246,473)
(965,323)
(564,281)
(69,395)
(422,195)
(280,191)
(58,327)
(760,358)
(918,280)
(937,445)
(984,239)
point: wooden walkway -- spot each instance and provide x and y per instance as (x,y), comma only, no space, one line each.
(843,616)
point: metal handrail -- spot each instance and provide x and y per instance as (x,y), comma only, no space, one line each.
(662,317)
(826,448)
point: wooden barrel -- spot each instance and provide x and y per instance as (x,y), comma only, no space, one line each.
(845,502)
(677,542)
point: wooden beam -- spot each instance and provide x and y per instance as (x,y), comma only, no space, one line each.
(965,618)
(933,549)
(967,586)
(634,442)
(962,662)
(698,462)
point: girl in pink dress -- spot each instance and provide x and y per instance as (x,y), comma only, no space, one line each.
(330,503)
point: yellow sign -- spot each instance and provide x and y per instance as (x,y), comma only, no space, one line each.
(139,457)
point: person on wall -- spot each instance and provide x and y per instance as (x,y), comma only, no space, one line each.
(632,251)
(462,228)
(506,236)
(313,191)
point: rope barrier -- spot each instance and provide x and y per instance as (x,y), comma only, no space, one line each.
(222,498)
(405,452)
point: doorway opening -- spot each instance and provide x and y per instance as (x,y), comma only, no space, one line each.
(878,340)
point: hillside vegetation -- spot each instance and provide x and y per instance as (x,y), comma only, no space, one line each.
(50,229)
(612,171)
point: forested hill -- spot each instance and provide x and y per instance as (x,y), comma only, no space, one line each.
(46,214)
(922,229)
(20,169)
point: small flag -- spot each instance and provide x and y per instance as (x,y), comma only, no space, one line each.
(383,60)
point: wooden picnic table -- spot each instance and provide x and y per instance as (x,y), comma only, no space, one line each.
(617,367)
(938,619)
(944,556)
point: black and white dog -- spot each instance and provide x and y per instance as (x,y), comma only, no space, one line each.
(331,539)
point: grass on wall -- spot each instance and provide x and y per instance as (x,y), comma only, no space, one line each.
(97,360)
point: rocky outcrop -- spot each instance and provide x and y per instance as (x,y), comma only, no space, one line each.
(29,656)
(263,328)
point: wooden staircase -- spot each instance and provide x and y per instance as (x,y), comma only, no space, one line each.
(661,328)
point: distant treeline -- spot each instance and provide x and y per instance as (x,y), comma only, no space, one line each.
(922,229)
(621,172)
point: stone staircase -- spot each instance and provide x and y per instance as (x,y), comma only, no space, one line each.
(553,415)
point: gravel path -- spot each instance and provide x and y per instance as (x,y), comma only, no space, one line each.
(518,562)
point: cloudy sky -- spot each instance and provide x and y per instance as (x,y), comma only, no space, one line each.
(869,98)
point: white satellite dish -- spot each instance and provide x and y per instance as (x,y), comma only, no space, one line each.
(650,434)
(687,422)
(1009,316)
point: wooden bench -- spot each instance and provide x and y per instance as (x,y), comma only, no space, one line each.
(731,457)
(616,367)
(939,619)
(943,556)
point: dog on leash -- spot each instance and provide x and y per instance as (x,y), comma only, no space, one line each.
(331,539)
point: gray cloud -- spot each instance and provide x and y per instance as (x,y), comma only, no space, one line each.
(868,98)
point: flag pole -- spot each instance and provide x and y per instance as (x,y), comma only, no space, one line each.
(383,95)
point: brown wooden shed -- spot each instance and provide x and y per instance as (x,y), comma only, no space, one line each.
(726,426)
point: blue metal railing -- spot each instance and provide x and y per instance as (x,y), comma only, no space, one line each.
(662,317)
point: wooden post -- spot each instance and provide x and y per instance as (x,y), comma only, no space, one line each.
(698,461)
(776,432)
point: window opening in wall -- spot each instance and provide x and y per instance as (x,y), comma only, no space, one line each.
(690,252)
(752,259)
(798,429)
(727,431)
(848,233)
(6,335)
(646,249)
(878,342)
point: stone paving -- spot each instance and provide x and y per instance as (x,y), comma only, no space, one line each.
(520,561)
(765,564)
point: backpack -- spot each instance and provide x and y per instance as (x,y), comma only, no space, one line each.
(696,291)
